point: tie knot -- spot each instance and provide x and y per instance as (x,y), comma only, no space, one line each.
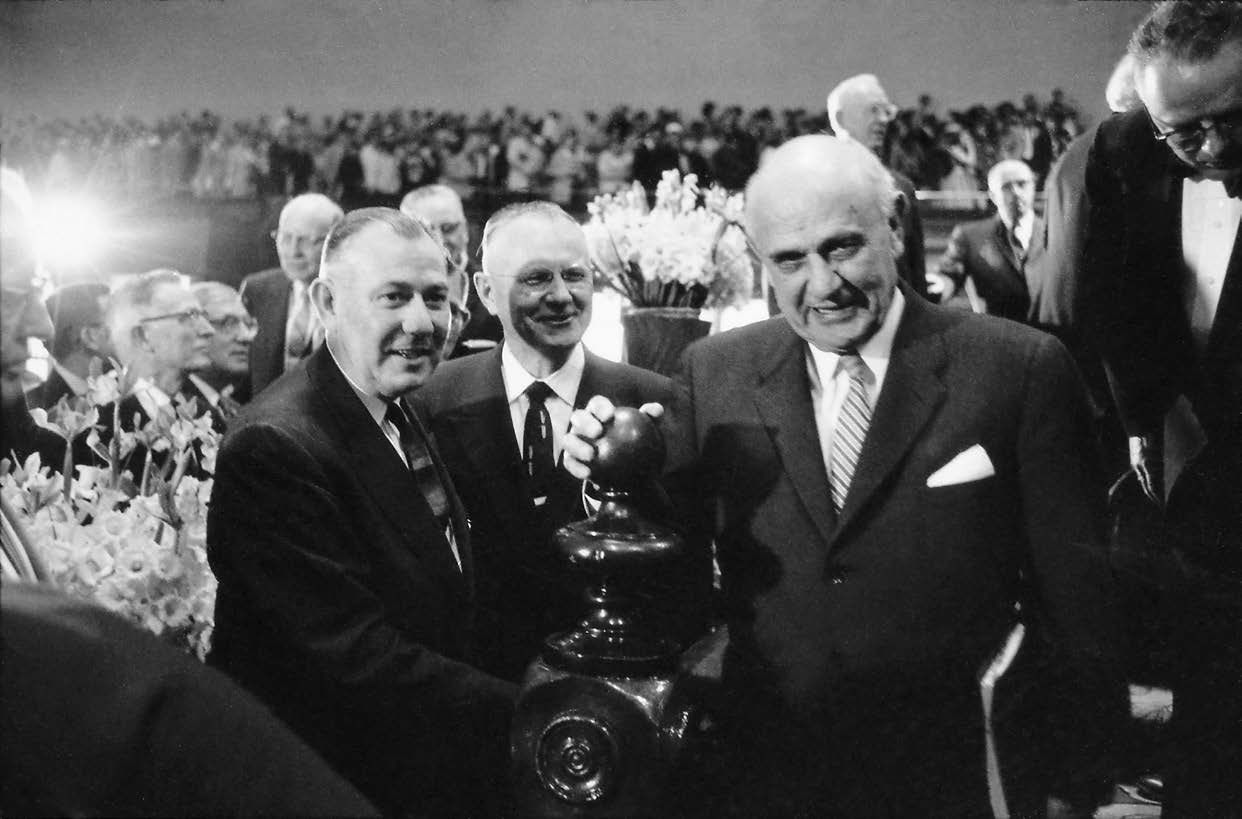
(396,416)
(851,362)
(538,392)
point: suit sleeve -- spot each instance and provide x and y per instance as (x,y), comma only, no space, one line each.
(296,557)
(1070,589)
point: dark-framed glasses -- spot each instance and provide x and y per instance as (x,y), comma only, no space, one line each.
(540,280)
(185,317)
(234,324)
(284,237)
(1189,138)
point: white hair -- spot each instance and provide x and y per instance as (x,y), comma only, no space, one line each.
(854,85)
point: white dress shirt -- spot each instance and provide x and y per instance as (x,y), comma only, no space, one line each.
(209,392)
(150,397)
(377,408)
(563,383)
(830,384)
(1209,225)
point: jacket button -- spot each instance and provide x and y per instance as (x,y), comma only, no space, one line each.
(836,578)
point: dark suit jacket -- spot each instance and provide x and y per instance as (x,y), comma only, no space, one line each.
(525,589)
(50,391)
(266,296)
(101,719)
(340,604)
(855,643)
(981,251)
(1131,299)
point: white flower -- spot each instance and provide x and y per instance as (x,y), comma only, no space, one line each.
(172,611)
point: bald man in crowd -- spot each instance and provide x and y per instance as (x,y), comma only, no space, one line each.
(988,264)
(279,298)
(440,210)
(893,488)
(346,577)
(859,109)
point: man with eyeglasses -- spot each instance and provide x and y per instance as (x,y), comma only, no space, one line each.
(226,383)
(500,416)
(439,209)
(859,109)
(1162,295)
(278,298)
(81,341)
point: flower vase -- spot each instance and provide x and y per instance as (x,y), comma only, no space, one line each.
(655,337)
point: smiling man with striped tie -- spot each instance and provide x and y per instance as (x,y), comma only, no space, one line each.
(885,480)
(343,554)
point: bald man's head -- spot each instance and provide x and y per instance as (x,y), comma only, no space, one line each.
(304,223)
(826,218)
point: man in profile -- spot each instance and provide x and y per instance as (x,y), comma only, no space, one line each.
(1161,290)
(886,482)
(987,264)
(81,338)
(225,383)
(439,209)
(500,417)
(860,110)
(343,555)
(279,298)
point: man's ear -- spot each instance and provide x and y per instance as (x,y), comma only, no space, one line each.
(93,338)
(323,298)
(138,337)
(483,284)
(896,224)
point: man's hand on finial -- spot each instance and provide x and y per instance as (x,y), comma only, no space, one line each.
(586,426)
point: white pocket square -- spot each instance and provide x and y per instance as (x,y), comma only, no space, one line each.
(969,465)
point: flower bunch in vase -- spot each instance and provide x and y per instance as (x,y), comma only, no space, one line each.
(686,251)
(134,542)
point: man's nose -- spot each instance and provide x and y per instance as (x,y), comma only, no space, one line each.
(35,321)
(1214,145)
(822,275)
(203,327)
(558,291)
(416,318)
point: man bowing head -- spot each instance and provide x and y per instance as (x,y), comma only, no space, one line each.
(342,552)
(885,482)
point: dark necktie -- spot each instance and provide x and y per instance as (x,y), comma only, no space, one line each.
(418,456)
(537,443)
(1019,252)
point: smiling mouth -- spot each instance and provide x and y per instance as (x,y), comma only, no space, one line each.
(557,320)
(411,354)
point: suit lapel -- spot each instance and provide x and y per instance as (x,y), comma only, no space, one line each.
(911,394)
(783,398)
(1226,336)
(382,472)
(1006,248)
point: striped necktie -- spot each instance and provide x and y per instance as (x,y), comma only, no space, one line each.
(851,428)
(418,457)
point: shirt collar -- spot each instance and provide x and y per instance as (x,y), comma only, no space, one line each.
(376,407)
(151,397)
(77,384)
(875,351)
(564,382)
(209,392)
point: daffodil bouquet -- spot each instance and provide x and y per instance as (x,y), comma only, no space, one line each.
(135,544)
(688,250)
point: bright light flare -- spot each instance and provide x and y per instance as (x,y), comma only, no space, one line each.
(69,231)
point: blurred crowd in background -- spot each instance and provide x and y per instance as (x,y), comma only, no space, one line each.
(364,159)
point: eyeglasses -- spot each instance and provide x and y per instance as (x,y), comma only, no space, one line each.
(284,237)
(1189,138)
(186,317)
(231,324)
(540,281)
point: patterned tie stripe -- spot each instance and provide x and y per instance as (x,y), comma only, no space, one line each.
(537,440)
(419,458)
(851,428)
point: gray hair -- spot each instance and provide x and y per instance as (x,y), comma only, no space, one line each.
(354,222)
(209,293)
(130,296)
(856,83)
(425,192)
(511,213)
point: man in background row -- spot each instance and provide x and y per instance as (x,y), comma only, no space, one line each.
(279,298)
(439,209)
(988,265)
(225,383)
(81,337)
(499,418)
(860,110)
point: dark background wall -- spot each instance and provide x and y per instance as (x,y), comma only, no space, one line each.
(245,57)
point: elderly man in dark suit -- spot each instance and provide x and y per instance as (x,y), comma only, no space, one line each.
(342,551)
(500,417)
(279,298)
(1162,292)
(988,264)
(81,337)
(887,481)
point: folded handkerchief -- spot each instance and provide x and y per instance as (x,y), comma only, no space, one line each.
(969,465)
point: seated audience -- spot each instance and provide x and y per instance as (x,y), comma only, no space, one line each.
(343,554)
(499,418)
(226,382)
(81,337)
(289,329)
(987,264)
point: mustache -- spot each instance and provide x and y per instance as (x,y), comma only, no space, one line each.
(847,295)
